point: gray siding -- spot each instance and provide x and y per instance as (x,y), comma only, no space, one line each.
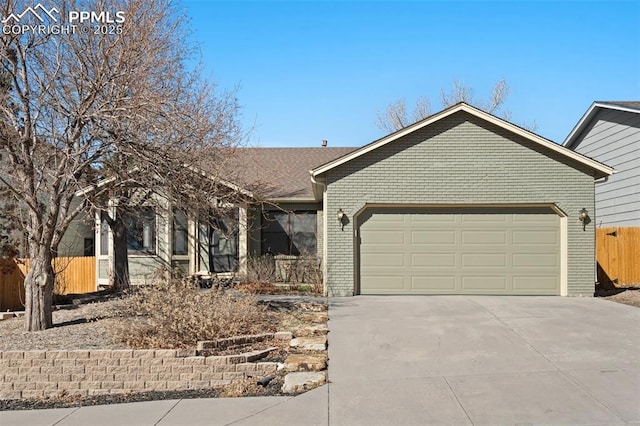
(459,160)
(142,269)
(81,228)
(613,138)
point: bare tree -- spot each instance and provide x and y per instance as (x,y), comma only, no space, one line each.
(396,117)
(82,107)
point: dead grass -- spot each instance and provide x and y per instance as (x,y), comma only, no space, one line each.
(176,314)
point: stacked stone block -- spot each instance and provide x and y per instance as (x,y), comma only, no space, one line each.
(37,374)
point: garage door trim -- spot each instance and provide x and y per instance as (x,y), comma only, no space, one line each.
(563,230)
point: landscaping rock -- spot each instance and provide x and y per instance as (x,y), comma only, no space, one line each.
(313,307)
(301,382)
(317,343)
(306,362)
(283,335)
(317,330)
(316,317)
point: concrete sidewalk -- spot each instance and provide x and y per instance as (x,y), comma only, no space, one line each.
(310,408)
(435,360)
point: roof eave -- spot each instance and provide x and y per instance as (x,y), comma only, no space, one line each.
(293,200)
(595,107)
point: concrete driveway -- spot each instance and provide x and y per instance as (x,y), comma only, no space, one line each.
(483,360)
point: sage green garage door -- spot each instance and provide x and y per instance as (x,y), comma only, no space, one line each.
(459,251)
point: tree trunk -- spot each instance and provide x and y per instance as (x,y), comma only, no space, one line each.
(120,277)
(38,286)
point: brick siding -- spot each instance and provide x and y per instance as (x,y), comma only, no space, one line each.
(459,160)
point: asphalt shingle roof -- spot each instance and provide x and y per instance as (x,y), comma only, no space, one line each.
(283,172)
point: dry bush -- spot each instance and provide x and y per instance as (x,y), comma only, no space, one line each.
(304,269)
(176,314)
(260,269)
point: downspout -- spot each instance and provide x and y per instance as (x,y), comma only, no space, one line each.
(325,244)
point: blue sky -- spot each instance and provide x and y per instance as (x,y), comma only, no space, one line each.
(313,70)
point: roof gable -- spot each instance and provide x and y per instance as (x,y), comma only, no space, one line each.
(594,109)
(600,169)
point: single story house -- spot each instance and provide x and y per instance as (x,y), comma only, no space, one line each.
(610,133)
(461,202)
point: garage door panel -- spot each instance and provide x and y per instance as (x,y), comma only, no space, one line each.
(381,260)
(385,237)
(484,283)
(540,260)
(535,237)
(382,283)
(433,282)
(432,218)
(484,218)
(534,219)
(534,283)
(484,237)
(466,250)
(438,260)
(433,237)
(484,260)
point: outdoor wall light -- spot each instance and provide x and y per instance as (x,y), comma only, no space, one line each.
(341,217)
(584,218)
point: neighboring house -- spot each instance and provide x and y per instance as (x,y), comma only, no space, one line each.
(78,240)
(461,202)
(610,133)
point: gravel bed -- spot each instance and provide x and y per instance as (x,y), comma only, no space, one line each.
(75,327)
(626,296)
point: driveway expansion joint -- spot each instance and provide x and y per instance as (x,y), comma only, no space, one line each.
(168,411)
(62,419)
(457,399)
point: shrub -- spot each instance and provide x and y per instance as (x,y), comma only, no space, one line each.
(175,314)
(260,269)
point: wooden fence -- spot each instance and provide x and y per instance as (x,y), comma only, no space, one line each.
(618,255)
(11,286)
(74,275)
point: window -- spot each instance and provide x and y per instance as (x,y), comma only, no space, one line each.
(88,247)
(224,249)
(104,234)
(219,235)
(141,231)
(290,233)
(180,232)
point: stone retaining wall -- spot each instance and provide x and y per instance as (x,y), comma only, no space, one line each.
(28,374)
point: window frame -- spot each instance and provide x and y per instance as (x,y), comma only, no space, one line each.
(292,249)
(183,230)
(136,217)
